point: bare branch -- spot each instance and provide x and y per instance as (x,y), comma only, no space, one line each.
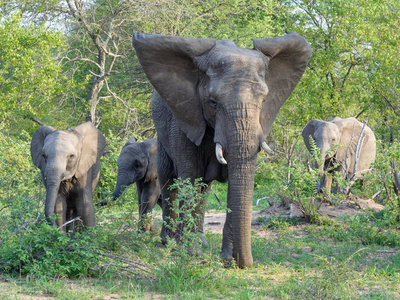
(375,195)
(37,121)
(396,182)
(22,227)
(359,146)
(71,221)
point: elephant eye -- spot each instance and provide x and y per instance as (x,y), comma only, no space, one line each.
(44,157)
(213,102)
(72,156)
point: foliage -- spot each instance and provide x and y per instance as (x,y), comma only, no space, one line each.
(21,199)
(45,72)
(367,229)
(30,74)
(333,280)
(44,251)
(186,212)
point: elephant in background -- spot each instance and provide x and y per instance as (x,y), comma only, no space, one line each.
(355,144)
(69,161)
(213,106)
(137,164)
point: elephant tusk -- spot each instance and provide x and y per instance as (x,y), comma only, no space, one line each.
(219,154)
(266,148)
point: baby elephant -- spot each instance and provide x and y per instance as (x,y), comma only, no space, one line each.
(69,161)
(356,151)
(137,163)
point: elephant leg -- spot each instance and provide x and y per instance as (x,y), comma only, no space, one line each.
(165,178)
(86,209)
(84,202)
(199,215)
(147,201)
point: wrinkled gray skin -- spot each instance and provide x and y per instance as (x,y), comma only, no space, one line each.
(212,96)
(69,161)
(137,164)
(344,132)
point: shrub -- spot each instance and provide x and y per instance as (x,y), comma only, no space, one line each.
(41,250)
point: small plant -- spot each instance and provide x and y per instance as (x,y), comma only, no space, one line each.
(41,250)
(336,280)
(180,268)
(187,207)
(279,222)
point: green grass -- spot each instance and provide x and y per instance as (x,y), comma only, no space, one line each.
(310,264)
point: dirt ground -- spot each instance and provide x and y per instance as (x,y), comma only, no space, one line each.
(214,223)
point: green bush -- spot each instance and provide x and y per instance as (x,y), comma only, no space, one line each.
(22,192)
(375,228)
(41,250)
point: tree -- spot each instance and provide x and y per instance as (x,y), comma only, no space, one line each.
(30,74)
(354,66)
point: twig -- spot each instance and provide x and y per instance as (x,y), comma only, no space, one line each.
(36,120)
(124,266)
(258,200)
(359,146)
(23,226)
(216,196)
(375,195)
(396,183)
(385,251)
(71,221)
(4,207)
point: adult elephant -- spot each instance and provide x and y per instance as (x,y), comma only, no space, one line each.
(69,161)
(137,164)
(213,106)
(355,152)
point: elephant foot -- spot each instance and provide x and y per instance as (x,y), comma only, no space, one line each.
(227,247)
(226,256)
(204,242)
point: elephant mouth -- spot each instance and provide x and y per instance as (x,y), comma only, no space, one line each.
(219,153)
(66,185)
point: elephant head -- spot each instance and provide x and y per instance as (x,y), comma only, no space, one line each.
(325,134)
(65,155)
(135,163)
(349,135)
(216,89)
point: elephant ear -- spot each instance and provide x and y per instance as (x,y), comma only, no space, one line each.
(308,131)
(151,173)
(168,62)
(131,141)
(288,58)
(37,144)
(350,130)
(93,143)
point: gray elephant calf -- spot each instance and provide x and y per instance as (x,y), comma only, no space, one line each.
(137,163)
(69,161)
(356,151)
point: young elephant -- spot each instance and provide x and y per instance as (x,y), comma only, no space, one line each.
(69,161)
(137,163)
(355,145)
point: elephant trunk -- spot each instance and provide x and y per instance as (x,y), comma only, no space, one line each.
(240,199)
(122,183)
(243,144)
(51,198)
